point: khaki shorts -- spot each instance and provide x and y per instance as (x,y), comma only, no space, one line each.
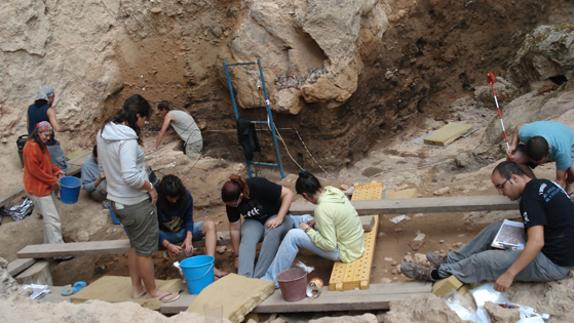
(141,225)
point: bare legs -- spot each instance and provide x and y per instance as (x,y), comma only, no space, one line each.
(142,275)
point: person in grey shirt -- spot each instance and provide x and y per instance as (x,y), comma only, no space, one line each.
(185,127)
(93,179)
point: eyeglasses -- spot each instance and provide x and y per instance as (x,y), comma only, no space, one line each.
(500,186)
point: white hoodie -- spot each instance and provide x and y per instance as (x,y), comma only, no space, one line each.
(122,160)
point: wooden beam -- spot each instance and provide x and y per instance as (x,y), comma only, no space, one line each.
(422,205)
(88,248)
(377,297)
(17,266)
(367,221)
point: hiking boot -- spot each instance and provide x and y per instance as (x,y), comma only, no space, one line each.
(417,272)
(435,258)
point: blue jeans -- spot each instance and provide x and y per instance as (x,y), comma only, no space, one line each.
(179,236)
(295,239)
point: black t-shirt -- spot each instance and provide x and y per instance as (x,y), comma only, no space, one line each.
(264,201)
(545,203)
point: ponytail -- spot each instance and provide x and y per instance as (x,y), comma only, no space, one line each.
(307,183)
(235,186)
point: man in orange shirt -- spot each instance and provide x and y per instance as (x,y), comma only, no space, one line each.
(41,180)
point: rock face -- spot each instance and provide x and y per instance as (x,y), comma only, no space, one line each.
(62,43)
(303,59)
(547,52)
(527,108)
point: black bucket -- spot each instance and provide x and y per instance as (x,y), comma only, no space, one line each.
(21,142)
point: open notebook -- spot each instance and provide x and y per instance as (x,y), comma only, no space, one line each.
(510,236)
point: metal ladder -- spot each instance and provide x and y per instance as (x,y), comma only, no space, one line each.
(269,122)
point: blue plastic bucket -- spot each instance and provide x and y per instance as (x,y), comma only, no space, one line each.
(198,272)
(69,189)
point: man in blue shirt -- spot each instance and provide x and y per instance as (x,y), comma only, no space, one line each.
(547,141)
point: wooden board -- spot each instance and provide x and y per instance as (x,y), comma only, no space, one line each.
(447,134)
(89,248)
(19,265)
(377,297)
(402,194)
(368,222)
(38,273)
(422,205)
(115,289)
(347,276)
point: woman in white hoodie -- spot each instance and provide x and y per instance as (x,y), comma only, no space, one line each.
(121,156)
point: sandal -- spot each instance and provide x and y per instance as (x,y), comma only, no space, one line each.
(72,289)
(139,295)
(168,297)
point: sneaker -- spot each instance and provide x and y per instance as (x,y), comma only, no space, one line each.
(435,258)
(417,272)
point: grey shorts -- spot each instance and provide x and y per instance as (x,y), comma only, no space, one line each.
(141,225)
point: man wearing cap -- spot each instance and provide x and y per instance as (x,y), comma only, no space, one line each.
(43,110)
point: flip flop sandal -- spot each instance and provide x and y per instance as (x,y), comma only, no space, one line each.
(139,295)
(73,289)
(169,297)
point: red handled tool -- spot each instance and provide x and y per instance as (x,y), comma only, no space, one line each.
(491,79)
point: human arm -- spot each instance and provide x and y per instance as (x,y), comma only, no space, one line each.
(51,113)
(323,235)
(286,200)
(33,159)
(514,142)
(188,243)
(235,234)
(188,222)
(164,126)
(534,245)
(131,174)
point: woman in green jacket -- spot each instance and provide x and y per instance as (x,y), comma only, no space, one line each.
(334,231)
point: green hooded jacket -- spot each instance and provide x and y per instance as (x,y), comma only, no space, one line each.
(337,225)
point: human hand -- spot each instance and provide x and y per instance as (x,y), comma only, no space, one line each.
(311,223)
(503,282)
(188,246)
(304,226)
(273,223)
(173,249)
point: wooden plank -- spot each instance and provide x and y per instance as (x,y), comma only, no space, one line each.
(19,265)
(447,134)
(422,205)
(38,273)
(367,221)
(89,248)
(402,194)
(377,297)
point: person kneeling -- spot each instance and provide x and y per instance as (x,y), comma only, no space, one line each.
(334,232)
(177,231)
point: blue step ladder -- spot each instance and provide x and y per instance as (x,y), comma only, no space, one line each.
(269,122)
